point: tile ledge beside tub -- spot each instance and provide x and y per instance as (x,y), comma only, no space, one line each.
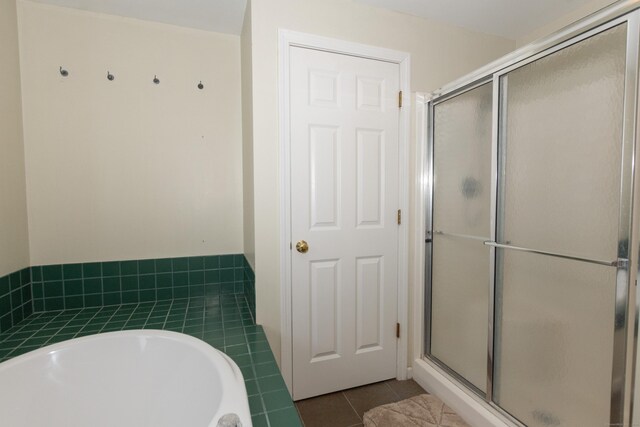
(210,297)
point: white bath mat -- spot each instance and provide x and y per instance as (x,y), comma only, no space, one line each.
(424,410)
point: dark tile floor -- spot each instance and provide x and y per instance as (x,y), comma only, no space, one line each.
(346,408)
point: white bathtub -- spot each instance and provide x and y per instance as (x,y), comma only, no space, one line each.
(131,378)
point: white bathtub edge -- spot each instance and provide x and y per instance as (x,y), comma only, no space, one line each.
(234,402)
(234,398)
(474,412)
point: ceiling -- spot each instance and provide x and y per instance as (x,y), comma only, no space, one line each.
(507,18)
(222,16)
(512,19)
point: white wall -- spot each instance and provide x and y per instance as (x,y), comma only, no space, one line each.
(440,53)
(247,139)
(563,21)
(14,240)
(128,169)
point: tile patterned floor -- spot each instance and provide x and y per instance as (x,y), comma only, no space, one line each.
(223,321)
(346,408)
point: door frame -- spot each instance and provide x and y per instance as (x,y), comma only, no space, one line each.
(421,205)
(286,40)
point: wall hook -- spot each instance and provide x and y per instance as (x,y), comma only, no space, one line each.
(110,76)
(63,73)
(200,85)
(156,80)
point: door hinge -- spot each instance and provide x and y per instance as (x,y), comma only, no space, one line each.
(397,330)
(400,99)
(399,216)
(290,245)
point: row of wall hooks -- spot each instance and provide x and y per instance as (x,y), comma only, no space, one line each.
(111,77)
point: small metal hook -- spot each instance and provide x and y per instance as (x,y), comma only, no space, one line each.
(200,85)
(156,80)
(63,73)
(110,76)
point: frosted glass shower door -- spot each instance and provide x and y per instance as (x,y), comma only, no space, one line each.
(461,222)
(558,223)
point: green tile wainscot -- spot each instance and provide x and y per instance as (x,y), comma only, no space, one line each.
(210,310)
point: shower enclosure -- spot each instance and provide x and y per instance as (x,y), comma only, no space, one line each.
(529,246)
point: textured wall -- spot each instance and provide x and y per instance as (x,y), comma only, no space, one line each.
(127,169)
(14,241)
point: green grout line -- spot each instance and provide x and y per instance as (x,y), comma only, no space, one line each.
(110,317)
(61,328)
(87,322)
(146,320)
(33,334)
(129,318)
(184,319)
(164,324)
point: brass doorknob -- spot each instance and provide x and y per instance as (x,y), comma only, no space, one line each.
(302,247)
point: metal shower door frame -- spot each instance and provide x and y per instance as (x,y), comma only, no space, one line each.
(430,232)
(625,314)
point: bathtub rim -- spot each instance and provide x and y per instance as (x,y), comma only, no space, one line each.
(234,396)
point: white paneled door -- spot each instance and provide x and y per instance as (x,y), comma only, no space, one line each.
(344,220)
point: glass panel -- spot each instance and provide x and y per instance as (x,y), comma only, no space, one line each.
(460,306)
(554,340)
(462,163)
(563,130)
(462,205)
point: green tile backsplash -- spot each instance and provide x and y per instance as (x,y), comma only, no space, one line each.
(97,284)
(15,298)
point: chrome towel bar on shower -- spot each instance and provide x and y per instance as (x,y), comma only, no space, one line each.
(617,263)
